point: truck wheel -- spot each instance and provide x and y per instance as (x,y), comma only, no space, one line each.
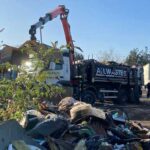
(88,97)
(122,97)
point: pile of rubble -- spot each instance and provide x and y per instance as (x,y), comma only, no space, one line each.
(77,125)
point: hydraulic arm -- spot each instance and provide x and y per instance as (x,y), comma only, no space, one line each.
(63,12)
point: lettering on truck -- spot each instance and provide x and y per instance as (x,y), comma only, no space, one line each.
(101,71)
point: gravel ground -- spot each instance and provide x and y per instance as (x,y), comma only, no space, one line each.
(139,113)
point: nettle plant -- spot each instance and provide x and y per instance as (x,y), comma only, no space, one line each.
(29,88)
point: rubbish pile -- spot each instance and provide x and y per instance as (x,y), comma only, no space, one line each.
(77,125)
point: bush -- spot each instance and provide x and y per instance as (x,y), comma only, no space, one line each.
(23,93)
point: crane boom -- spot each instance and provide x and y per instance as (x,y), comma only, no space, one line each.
(63,12)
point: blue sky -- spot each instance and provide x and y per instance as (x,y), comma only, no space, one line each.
(96,25)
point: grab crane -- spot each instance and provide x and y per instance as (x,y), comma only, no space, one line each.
(63,13)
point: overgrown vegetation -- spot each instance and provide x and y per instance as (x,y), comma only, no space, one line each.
(28,89)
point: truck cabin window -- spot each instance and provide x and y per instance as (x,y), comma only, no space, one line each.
(55,66)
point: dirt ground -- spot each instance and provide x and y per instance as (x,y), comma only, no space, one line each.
(139,113)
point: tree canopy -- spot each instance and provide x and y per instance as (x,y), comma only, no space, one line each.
(138,57)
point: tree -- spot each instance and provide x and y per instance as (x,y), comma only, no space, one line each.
(138,57)
(27,90)
(107,56)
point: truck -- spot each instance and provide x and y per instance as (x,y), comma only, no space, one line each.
(146,69)
(90,79)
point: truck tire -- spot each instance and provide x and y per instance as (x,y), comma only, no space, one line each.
(88,97)
(122,97)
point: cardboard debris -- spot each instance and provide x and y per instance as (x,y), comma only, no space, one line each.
(81,110)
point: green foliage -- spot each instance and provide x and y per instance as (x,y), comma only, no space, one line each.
(26,92)
(138,57)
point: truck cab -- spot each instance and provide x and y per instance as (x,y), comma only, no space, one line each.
(59,72)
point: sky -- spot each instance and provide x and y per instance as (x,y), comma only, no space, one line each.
(96,25)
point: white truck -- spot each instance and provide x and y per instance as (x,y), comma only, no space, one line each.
(146,73)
